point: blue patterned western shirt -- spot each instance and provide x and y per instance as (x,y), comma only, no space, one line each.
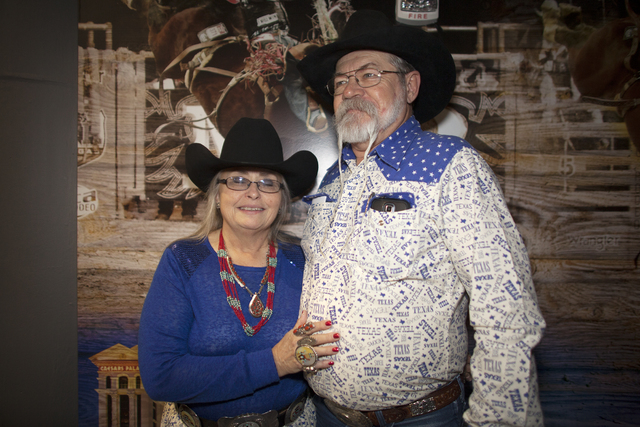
(398,284)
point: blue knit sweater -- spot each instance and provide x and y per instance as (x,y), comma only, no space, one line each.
(192,348)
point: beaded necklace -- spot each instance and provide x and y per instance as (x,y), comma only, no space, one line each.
(229,277)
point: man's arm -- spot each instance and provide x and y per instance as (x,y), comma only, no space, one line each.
(492,263)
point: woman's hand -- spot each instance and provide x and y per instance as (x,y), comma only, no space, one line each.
(284,353)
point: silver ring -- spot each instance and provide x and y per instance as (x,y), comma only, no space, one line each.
(307,340)
(303,329)
(309,370)
(306,355)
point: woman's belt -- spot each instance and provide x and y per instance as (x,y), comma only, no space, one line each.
(436,400)
(271,418)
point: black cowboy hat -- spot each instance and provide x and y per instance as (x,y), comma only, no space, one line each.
(252,143)
(371,30)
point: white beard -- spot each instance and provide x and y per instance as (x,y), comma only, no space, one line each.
(351,129)
(348,124)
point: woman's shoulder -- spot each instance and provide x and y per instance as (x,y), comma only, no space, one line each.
(190,253)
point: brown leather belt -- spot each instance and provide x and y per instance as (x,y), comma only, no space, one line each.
(436,400)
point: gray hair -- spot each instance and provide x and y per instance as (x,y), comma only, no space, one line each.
(212,219)
(400,64)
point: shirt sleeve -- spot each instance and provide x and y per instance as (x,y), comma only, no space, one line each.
(169,371)
(492,264)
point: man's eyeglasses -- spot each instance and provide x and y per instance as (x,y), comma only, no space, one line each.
(367,77)
(240,183)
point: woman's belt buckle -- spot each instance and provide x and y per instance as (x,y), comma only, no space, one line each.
(188,417)
(349,416)
(268,419)
(296,408)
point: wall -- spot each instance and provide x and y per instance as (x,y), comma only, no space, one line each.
(588,357)
(569,171)
(38,81)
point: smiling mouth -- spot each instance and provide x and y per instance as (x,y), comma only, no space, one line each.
(251,209)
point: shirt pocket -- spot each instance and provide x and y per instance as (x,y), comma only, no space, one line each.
(389,244)
(318,219)
(389,202)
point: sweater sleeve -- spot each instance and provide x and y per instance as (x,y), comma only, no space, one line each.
(169,370)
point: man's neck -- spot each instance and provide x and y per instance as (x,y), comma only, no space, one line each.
(360,148)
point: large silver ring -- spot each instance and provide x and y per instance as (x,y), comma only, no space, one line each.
(308,340)
(306,355)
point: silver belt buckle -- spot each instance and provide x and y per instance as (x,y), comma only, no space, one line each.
(422,407)
(348,416)
(268,419)
(188,417)
(296,408)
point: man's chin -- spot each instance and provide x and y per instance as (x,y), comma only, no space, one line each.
(355,126)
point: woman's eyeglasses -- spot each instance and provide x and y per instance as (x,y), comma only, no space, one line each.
(240,183)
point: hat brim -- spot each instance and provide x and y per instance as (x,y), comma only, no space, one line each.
(424,51)
(299,170)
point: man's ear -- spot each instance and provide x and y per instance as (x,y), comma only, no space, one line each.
(412,80)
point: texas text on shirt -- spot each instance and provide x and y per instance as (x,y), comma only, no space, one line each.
(397,285)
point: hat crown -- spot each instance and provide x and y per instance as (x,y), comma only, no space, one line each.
(252,141)
(363,22)
(372,30)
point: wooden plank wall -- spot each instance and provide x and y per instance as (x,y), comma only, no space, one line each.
(571,177)
(568,169)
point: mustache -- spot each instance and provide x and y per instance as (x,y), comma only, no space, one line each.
(359,104)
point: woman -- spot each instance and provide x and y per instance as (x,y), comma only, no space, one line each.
(216,331)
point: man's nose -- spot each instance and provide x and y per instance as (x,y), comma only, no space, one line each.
(352,88)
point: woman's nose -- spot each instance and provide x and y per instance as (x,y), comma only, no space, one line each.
(253,191)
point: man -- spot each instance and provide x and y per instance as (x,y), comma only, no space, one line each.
(408,234)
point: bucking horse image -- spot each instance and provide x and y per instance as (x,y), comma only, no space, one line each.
(604,62)
(237,56)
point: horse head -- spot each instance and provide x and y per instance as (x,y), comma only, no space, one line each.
(603,62)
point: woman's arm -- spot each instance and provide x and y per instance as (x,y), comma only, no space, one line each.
(170,372)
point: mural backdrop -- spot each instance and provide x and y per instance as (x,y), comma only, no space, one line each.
(541,95)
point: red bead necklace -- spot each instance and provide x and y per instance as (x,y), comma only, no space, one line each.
(230,277)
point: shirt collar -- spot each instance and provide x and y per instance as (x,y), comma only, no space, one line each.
(391,151)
